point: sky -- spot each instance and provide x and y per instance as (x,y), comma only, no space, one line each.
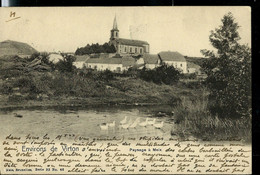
(182,29)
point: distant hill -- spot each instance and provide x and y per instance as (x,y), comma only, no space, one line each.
(9,47)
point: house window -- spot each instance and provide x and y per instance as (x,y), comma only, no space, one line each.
(130,49)
(181,65)
(135,50)
(141,50)
(116,34)
(125,49)
(95,67)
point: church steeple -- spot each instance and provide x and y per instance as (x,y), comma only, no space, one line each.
(115,24)
(114,31)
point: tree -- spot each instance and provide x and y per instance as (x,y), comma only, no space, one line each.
(95,48)
(66,65)
(228,71)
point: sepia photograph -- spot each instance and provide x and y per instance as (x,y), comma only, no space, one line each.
(125,90)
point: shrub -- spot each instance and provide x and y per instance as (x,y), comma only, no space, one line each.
(162,74)
(66,65)
(25,84)
(106,75)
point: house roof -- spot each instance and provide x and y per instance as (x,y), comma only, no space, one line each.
(128,61)
(125,61)
(151,58)
(172,56)
(131,42)
(105,60)
(192,65)
(80,58)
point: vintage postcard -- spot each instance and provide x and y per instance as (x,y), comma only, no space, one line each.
(125,90)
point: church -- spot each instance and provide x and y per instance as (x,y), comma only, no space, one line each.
(127,46)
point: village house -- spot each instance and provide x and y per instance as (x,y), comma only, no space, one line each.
(174,59)
(55,57)
(112,64)
(151,61)
(80,61)
(127,46)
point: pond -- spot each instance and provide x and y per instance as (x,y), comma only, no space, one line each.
(88,122)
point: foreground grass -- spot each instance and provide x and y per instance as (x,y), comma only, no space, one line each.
(193,118)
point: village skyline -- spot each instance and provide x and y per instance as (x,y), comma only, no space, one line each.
(182,29)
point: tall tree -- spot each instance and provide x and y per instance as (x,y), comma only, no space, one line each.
(228,71)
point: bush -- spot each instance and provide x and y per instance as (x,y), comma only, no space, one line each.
(106,75)
(162,74)
(66,65)
(25,84)
(189,76)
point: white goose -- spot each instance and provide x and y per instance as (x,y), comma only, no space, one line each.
(124,120)
(158,125)
(151,121)
(133,125)
(112,124)
(126,125)
(144,123)
(103,126)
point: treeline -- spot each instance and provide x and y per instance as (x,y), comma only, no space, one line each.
(95,48)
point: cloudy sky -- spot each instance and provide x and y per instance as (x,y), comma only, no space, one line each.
(182,29)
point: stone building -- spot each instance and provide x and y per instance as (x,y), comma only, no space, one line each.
(112,64)
(127,46)
(174,59)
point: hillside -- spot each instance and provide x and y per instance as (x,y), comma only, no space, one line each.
(9,47)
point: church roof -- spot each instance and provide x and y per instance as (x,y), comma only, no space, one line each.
(172,56)
(151,58)
(131,42)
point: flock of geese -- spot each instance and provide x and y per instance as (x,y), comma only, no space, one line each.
(124,124)
(127,124)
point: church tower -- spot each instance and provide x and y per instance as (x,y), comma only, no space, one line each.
(114,31)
